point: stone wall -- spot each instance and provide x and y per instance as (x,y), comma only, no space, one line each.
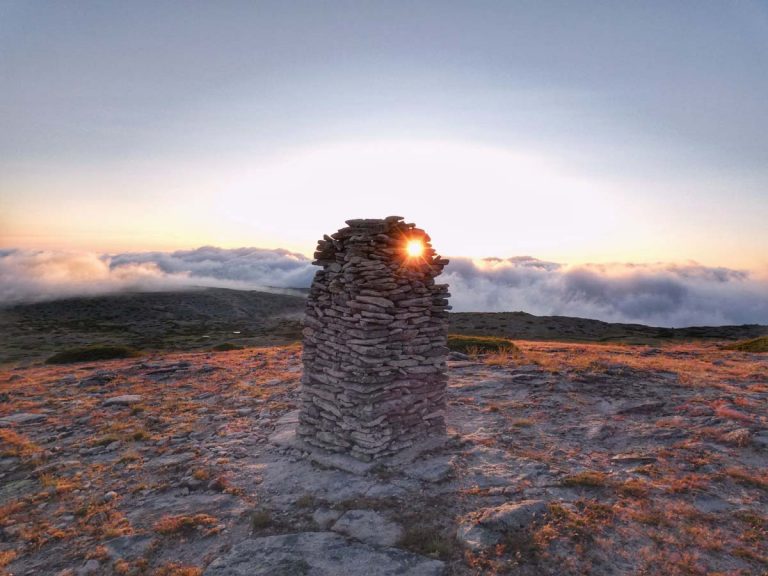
(374,341)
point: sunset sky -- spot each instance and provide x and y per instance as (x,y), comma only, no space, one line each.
(578,133)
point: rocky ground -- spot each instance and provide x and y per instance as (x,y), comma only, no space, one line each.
(563,459)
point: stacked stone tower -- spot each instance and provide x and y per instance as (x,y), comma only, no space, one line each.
(374,341)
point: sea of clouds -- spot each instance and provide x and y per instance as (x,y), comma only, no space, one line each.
(655,294)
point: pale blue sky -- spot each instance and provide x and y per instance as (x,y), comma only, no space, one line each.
(597,131)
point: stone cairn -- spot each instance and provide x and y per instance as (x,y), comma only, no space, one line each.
(374,341)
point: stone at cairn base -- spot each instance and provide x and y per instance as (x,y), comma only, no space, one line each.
(374,342)
(285,436)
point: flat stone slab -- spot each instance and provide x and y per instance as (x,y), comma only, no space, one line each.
(22,418)
(325,517)
(513,515)
(368,526)
(476,537)
(435,469)
(133,546)
(170,460)
(318,554)
(489,524)
(125,400)
(15,489)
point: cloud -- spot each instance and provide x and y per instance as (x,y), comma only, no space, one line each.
(32,276)
(657,294)
(255,267)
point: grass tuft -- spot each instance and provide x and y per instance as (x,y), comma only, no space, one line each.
(480,344)
(428,541)
(177,524)
(226,347)
(590,478)
(261,519)
(176,569)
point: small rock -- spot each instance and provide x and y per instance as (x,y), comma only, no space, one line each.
(368,526)
(90,567)
(125,400)
(633,459)
(476,537)
(109,496)
(738,437)
(513,515)
(325,517)
(170,460)
(133,546)
(22,418)
(640,407)
(707,504)
(431,470)
(98,378)
(761,439)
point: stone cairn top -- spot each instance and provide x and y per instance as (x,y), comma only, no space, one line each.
(374,341)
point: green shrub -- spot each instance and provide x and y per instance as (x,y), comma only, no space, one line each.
(90,353)
(427,540)
(755,345)
(480,344)
(261,519)
(226,347)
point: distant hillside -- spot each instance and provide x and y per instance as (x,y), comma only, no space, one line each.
(199,318)
(207,317)
(523,326)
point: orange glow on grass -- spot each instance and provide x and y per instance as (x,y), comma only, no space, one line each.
(414,248)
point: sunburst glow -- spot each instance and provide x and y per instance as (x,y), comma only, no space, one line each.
(414,248)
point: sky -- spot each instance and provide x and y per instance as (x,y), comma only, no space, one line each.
(578,133)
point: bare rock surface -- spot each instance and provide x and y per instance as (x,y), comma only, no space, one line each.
(368,526)
(21,418)
(513,515)
(318,554)
(565,459)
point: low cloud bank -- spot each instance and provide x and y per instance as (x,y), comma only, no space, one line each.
(33,276)
(656,294)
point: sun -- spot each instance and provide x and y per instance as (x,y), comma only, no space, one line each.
(414,248)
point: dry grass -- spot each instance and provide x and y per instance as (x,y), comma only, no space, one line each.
(476,345)
(201,474)
(17,445)
(588,478)
(6,557)
(181,523)
(725,411)
(522,422)
(633,487)
(176,569)
(748,478)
